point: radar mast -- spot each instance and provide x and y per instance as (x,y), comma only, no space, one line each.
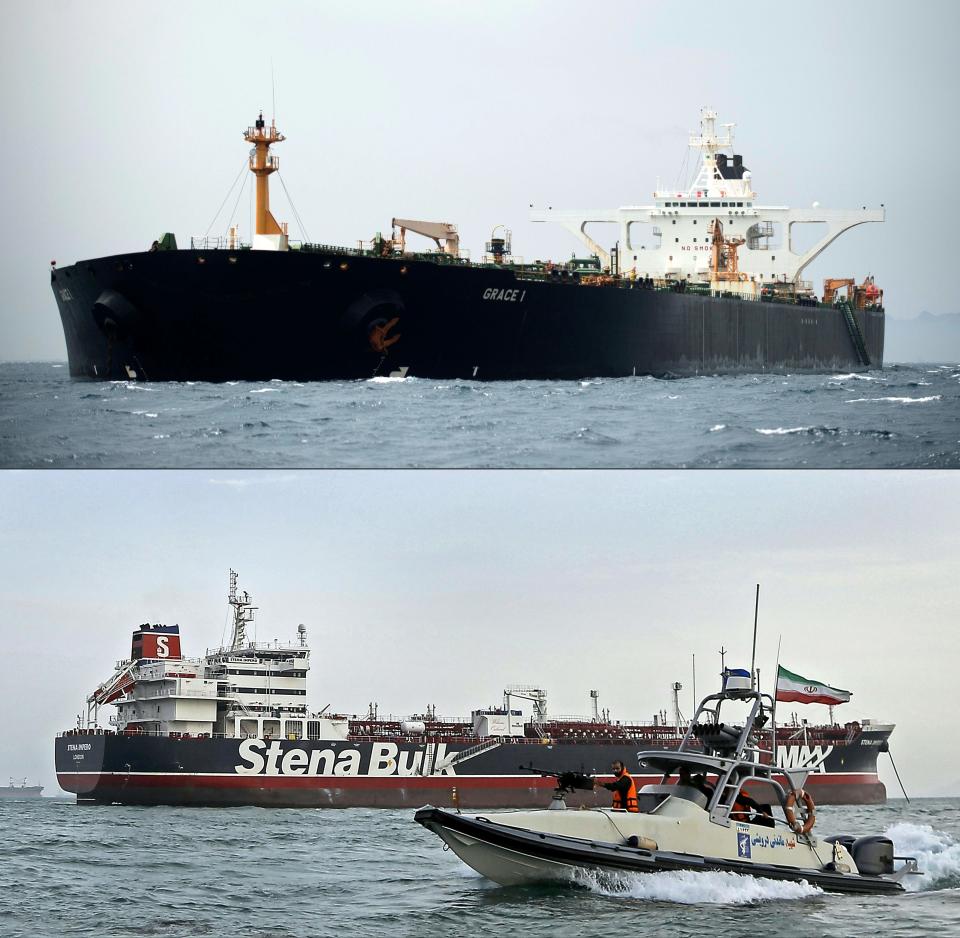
(243,613)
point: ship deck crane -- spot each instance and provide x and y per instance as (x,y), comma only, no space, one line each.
(724,264)
(864,295)
(832,285)
(437,230)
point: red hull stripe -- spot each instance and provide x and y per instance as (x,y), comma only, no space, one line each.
(390,782)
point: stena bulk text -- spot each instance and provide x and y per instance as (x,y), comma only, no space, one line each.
(269,758)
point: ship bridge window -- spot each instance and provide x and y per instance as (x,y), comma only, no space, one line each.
(723,204)
(739,204)
(714,205)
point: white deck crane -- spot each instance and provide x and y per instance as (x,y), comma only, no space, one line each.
(437,230)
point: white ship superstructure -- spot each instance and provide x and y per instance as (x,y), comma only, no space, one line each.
(246,689)
(671,239)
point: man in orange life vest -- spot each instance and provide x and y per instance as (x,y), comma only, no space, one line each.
(624,788)
(746,810)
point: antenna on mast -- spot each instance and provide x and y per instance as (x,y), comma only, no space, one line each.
(753,656)
(243,613)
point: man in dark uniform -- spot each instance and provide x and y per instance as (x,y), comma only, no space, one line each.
(624,788)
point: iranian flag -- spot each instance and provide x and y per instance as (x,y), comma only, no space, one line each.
(792,688)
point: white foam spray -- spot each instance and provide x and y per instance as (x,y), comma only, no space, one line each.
(937,853)
(690,887)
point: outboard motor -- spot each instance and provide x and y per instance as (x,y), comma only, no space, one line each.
(873,855)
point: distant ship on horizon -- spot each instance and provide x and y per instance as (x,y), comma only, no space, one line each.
(21,791)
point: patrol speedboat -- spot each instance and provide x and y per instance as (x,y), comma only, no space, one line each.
(709,811)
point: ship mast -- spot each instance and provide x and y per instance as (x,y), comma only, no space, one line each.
(243,613)
(268,233)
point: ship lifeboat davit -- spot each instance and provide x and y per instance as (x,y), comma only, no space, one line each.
(115,315)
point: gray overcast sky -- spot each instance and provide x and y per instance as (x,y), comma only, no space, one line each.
(127,119)
(442,587)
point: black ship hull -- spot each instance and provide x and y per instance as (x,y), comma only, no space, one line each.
(395,773)
(219,315)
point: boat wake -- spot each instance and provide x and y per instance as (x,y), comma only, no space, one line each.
(937,853)
(689,887)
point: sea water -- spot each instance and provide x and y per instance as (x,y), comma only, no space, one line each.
(69,870)
(904,415)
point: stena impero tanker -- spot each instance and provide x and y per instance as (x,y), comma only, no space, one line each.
(233,728)
(703,280)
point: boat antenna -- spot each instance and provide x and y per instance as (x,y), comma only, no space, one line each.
(773,716)
(753,655)
(694,682)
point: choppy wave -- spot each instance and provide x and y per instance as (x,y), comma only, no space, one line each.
(855,377)
(688,887)
(749,421)
(895,400)
(937,853)
(783,431)
(810,431)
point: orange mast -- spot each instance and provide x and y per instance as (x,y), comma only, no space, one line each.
(262,164)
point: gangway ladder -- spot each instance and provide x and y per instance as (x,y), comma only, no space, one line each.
(856,336)
(492,743)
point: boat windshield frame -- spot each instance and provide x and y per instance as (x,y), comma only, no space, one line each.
(733,770)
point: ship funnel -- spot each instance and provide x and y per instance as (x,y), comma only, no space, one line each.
(155,642)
